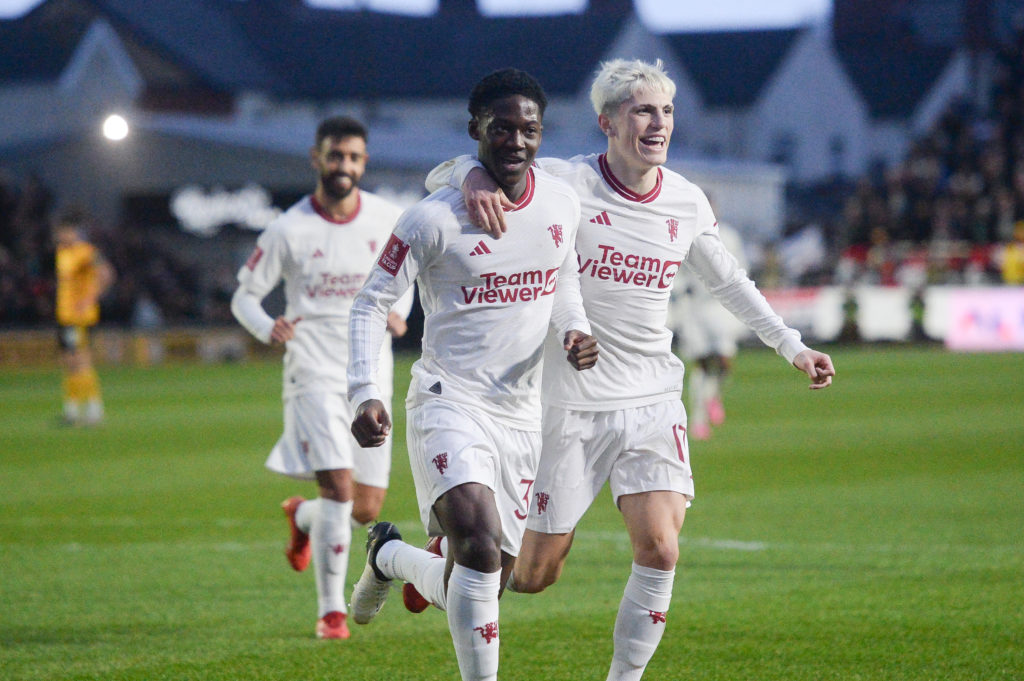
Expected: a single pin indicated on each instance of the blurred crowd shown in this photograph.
(26, 251)
(950, 211)
(153, 286)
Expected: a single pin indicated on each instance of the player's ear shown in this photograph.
(313, 154)
(605, 123)
(474, 129)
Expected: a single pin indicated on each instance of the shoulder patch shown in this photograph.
(393, 255)
(257, 253)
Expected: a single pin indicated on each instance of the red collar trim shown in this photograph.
(622, 189)
(527, 196)
(330, 218)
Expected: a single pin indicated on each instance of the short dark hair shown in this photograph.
(505, 83)
(339, 127)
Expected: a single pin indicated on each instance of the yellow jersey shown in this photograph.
(77, 283)
(1013, 263)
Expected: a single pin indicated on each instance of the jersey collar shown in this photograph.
(333, 220)
(624, 191)
(527, 196)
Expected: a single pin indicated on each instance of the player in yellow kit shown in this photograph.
(83, 275)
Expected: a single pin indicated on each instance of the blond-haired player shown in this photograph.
(83, 276)
(624, 422)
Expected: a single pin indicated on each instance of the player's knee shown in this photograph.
(660, 553)
(365, 514)
(367, 502)
(478, 551)
(534, 583)
(532, 579)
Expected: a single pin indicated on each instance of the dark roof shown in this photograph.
(37, 46)
(892, 76)
(290, 50)
(200, 36)
(729, 68)
(188, 42)
(324, 54)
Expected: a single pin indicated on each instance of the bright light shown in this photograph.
(115, 128)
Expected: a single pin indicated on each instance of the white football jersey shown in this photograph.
(630, 248)
(487, 302)
(323, 263)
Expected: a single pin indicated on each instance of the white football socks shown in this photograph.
(305, 513)
(330, 538)
(421, 568)
(640, 622)
(473, 621)
(93, 411)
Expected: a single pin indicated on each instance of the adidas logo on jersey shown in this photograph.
(601, 219)
(318, 253)
(481, 249)
(436, 388)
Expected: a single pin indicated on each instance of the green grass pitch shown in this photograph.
(873, 531)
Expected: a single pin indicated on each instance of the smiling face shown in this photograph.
(640, 129)
(508, 133)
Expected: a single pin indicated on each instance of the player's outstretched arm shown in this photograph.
(371, 424)
(817, 365)
(485, 202)
(581, 349)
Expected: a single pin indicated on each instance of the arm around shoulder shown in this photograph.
(451, 173)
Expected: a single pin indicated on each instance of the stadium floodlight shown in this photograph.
(115, 128)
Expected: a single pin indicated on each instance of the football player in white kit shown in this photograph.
(624, 422)
(473, 408)
(323, 247)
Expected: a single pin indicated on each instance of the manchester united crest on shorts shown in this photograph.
(441, 461)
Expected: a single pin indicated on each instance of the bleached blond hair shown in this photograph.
(617, 80)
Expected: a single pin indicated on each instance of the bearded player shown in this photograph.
(322, 248)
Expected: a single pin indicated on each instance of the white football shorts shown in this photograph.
(451, 443)
(317, 438)
(640, 449)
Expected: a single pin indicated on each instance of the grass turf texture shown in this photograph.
(870, 531)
